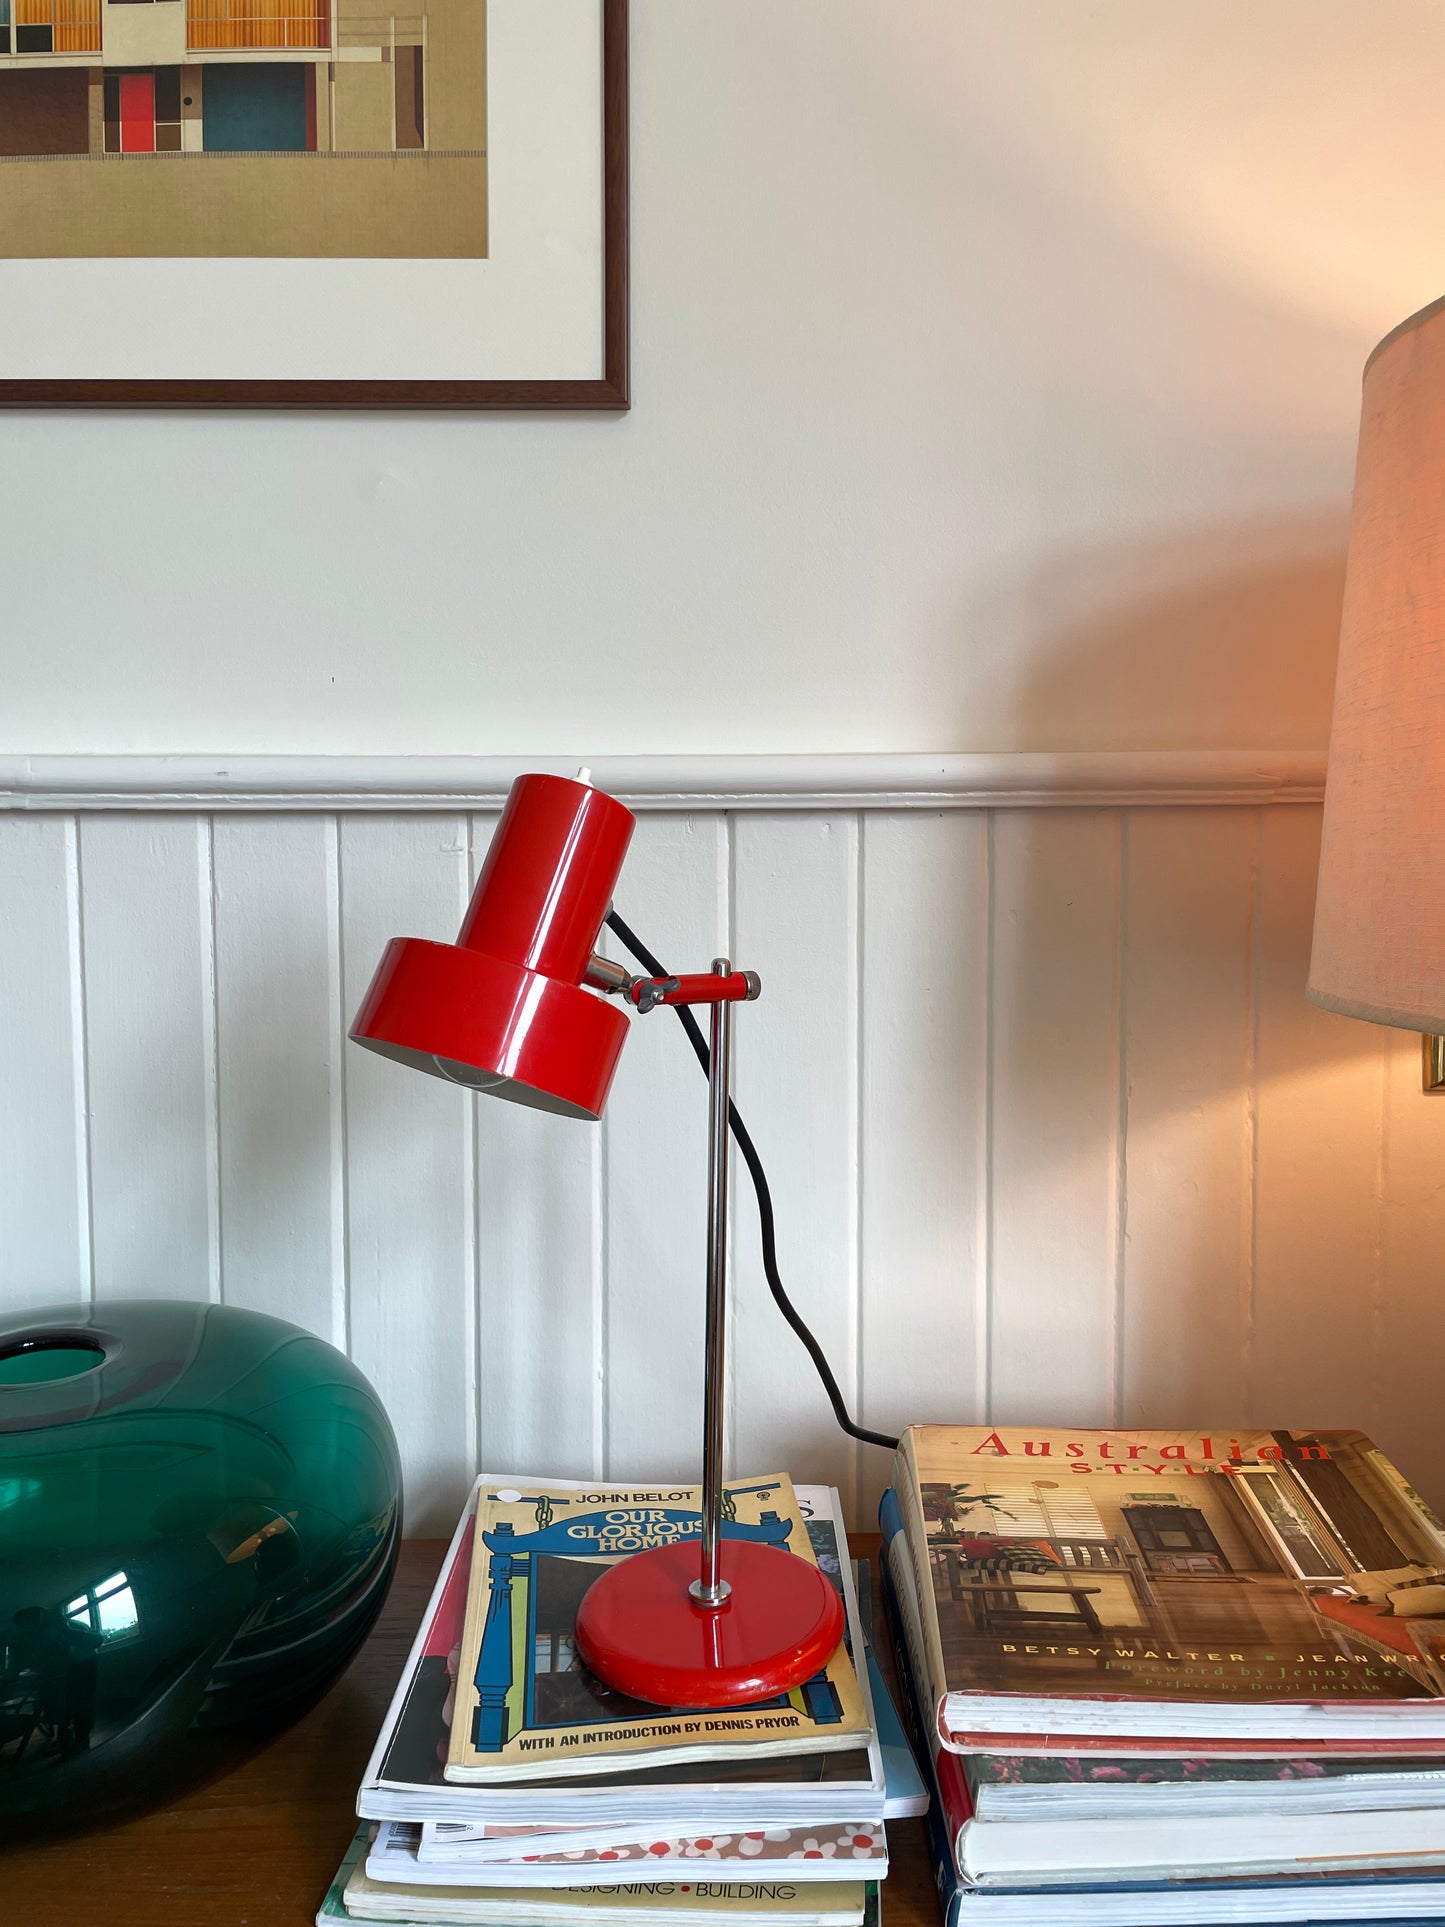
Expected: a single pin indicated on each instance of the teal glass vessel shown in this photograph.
(200, 1512)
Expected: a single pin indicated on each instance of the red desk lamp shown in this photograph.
(518, 1008)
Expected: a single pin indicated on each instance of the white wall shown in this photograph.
(996, 378)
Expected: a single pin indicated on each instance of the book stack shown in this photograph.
(1171, 1676)
(508, 1784)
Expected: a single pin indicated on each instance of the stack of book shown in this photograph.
(508, 1784)
(1171, 1676)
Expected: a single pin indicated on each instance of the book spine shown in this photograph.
(940, 1847)
(908, 1496)
(940, 1829)
(898, 1571)
(376, 1765)
(909, 1709)
(945, 1772)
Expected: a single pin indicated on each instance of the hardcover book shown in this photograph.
(1181, 1590)
(1008, 1786)
(527, 1708)
(1117, 1901)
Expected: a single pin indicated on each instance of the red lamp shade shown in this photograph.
(503, 1009)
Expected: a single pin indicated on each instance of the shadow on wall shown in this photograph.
(1225, 636)
(1185, 1151)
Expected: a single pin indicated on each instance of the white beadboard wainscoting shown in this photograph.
(1053, 1133)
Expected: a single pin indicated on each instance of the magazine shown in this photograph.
(403, 1853)
(404, 1777)
(907, 1795)
(527, 1708)
(356, 1895)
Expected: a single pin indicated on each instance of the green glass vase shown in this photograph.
(200, 1512)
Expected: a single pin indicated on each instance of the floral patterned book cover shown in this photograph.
(861, 1844)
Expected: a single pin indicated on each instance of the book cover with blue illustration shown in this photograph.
(528, 1708)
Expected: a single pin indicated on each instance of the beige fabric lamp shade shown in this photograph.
(1379, 942)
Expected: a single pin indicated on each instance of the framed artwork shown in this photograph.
(313, 203)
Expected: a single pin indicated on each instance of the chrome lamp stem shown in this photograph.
(710, 1588)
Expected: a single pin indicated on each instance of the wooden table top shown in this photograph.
(257, 1843)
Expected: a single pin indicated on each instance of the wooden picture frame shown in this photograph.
(610, 390)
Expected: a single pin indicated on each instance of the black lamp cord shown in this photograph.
(765, 1198)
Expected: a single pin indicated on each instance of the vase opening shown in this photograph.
(45, 1357)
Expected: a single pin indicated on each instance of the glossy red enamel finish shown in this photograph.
(704, 988)
(549, 876)
(503, 1009)
(639, 1630)
(434, 1005)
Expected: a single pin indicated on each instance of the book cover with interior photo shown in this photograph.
(526, 1706)
(1173, 1587)
(1032, 1888)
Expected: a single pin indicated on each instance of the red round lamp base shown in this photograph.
(640, 1630)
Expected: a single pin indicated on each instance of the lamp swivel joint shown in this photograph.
(706, 987)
